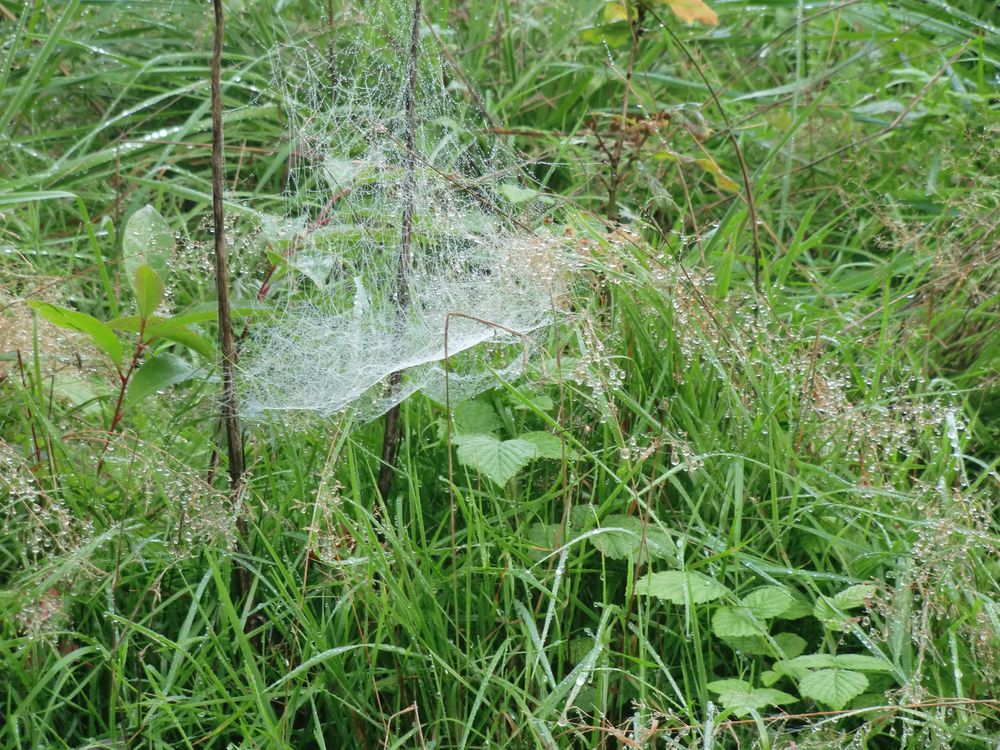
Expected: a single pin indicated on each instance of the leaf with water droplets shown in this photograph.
(146, 241)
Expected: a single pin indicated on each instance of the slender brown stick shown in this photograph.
(230, 413)
(390, 441)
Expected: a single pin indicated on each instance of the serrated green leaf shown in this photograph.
(833, 687)
(624, 538)
(809, 661)
(681, 587)
(752, 644)
(768, 602)
(475, 417)
(741, 697)
(791, 645)
(147, 240)
(863, 663)
(158, 373)
(148, 287)
(854, 596)
(548, 445)
(800, 607)
(100, 333)
(736, 622)
(497, 460)
(546, 537)
(768, 677)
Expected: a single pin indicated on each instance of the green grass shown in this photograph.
(838, 429)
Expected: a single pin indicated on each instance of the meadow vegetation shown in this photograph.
(743, 493)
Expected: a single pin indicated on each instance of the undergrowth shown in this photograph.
(742, 494)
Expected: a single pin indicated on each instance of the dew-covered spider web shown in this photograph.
(356, 300)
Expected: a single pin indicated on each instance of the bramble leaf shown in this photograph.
(624, 538)
(680, 587)
(498, 460)
(834, 687)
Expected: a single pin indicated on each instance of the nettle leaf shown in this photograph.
(768, 602)
(690, 11)
(158, 373)
(475, 417)
(498, 460)
(146, 241)
(624, 538)
(742, 697)
(100, 333)
(148, 288)
(681, 587)
(736, 622)
(833, 687)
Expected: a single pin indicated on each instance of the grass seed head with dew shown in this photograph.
(357, 302)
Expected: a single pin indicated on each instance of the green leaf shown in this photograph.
(809, 661)
(791, 645)
(833, 687)
(736, 622)
(148, 288)
(741, 697)
(182, 335)
(768, 602)
(517, 193)
(864, 663)
(497, 460)
(680, 587)
(832, 611)
(548, 445)
(158, 373)
(146, 241)
(475, 417)
(100, 333)
(854, 596)
(546, 537)
(800, 607)
(624, 538)
(613, 34)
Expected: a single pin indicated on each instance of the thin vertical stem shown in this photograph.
(230, 413)
(390, 441)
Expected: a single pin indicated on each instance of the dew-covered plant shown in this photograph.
(411, 234)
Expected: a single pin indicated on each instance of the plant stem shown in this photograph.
(230, 413)
(390, 441)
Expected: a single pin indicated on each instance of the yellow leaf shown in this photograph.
(690, 11)
(615, 12)
(721, 181)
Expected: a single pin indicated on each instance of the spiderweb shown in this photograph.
(359, 302)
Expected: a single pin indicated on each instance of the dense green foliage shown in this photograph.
(706, 517)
